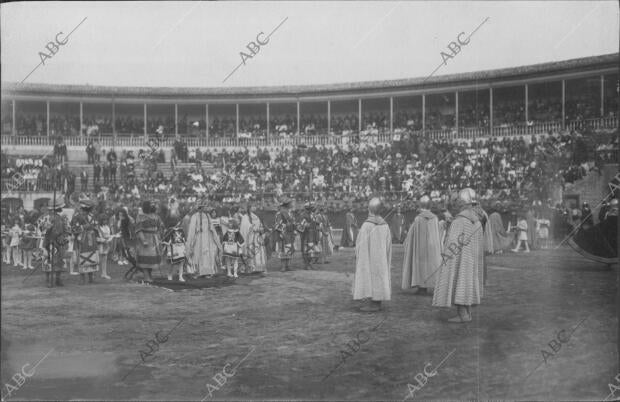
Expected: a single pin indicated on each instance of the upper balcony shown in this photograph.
(512, 101)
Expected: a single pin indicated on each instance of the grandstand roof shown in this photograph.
(521, 72)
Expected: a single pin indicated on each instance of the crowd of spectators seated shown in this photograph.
(95, 125)
(541, 110)
(435, 120)
(30, 124)
(496, 168)
(504, 169)
(581, 108)
(474, 115)
(508, 113)
(408, 120)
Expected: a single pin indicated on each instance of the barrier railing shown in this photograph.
(609, 122)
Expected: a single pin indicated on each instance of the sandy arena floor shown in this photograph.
(290, 329)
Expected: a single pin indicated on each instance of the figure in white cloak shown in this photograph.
(203, 246)
(373, 256)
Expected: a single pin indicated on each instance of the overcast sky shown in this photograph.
(198, 44)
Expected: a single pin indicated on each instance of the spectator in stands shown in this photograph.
(96, 171)
(97, 149)
(111, 157)
(70, 178)
(113, 172)
(60, 150)
(106, 173)
(90, 152)
(84, 180)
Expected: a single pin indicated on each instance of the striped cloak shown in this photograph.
(459, 279)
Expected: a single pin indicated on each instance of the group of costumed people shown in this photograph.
(527, 229)
(200, 244)
(314, 229)
(62, 242)
(444, 258)
(212, 244)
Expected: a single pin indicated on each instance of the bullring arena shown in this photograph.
(175, 242)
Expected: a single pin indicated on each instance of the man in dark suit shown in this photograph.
(84, 179)
(96, 171)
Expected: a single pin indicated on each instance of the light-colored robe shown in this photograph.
(459, 278)
(203, 244)
(185, 223)
(422, 252)
(254, 245)
(373, 256)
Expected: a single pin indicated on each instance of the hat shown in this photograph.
(233, 224)
(425, 199)
(202, 203)
(58, 205)
(86, 203)
(146, 207)
(467, 195)
(285, 202)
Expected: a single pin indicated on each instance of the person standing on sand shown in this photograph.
(55, 231)
(285, 228)
(397, 225)
(422, 250)
(459, 278)
(84, 225)
(203, 246)
(373, 257)
(148, 250)
(327, 241)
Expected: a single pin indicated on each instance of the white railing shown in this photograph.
(602, 123)
(507, 131)
(469, 133)
(521, 130)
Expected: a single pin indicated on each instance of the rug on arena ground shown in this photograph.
(216, 281)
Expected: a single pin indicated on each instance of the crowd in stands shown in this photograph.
(581, 108)
(541, 110)
(409, 120)
(500, 168)
(496, 168)
(33, 174)
(508, 113)
(474, 115)
(30, 124)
